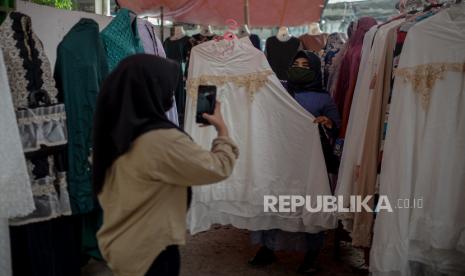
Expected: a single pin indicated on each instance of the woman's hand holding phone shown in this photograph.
(217, 120)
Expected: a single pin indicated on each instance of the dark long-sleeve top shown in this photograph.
(320, 104)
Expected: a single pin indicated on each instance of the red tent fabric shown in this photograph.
(263, 13)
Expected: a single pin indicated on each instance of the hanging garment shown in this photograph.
(313, 43)
(256, 41)
(15, 188)
(150, 41)
(41, 118)
(280, 54)
(257, 110)
(427, 105)
(179, 50)
(333, 46)
(121, 39)
(80, 69)
(399, 43)
(152, 45)
(199, 39)
(349, 68)
(373, 63)
(51, 24)
(194, 41)
(356, 126)
(366, 169)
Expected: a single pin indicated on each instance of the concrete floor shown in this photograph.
(225, 250)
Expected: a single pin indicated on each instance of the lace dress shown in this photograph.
(41, 118)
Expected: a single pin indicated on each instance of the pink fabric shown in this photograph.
(214, 12)
(348, 71)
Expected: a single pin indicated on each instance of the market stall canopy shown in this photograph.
(262, 13)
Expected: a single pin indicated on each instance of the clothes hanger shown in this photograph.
(228, 39)
(244, 31)
(206, 31)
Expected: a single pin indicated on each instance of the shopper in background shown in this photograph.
(144, 164)
(306, 86)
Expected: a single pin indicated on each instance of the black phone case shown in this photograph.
(199, 119)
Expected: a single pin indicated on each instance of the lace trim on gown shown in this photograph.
(424, 77)
(42, 126)
(251, 82)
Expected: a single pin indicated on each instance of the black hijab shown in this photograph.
(133, 100)
(315, 65)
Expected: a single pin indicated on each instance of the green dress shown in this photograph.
(121, 39)
(80, 69)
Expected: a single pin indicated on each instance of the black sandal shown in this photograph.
(264, 256)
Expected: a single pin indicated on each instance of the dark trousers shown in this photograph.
(168, 263)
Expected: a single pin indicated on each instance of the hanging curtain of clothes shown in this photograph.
(427, 104)
(44, 241)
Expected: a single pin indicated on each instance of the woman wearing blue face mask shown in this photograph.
(306, 86)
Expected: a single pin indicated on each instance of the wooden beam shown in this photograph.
(246, 13)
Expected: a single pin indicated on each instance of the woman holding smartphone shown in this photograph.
(143, 165)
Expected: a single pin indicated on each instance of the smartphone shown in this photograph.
(206, 102)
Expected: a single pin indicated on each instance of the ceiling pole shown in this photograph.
(162, 23)
(246, 13)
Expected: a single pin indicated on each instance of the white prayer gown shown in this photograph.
(424, 155)
(280, 145)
